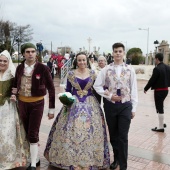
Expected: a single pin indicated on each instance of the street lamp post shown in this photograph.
(125, 49)
(89, 41)
(147, 29)
(51, 47)
(18, 43)
(156, 46)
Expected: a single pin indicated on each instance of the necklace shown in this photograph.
(81, 71)
(82, 74)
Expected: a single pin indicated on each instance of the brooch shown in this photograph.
(82, 93)
(38, 76)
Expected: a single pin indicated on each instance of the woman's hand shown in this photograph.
(133, 115)
(116, 98)
(106, 92)
(50, 116)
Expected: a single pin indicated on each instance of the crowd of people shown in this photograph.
(56, 61)
(78, 138)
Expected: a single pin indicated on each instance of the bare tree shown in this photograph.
(12, 35)
(5, 34)
(21, 34)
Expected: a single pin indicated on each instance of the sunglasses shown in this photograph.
(30, 51)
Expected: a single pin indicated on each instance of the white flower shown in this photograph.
(68, 94)
(60, 94)
(66, 98)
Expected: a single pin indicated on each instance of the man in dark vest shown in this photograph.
(159, 82)
(32, 80)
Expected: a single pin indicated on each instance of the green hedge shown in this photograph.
(16, 61)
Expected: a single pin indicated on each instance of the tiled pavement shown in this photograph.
(147, 150)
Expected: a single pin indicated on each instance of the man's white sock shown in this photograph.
(161, 120)
(34, 153)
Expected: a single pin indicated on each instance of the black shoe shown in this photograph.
(37, 164)
(31, 168)
(114, 165)
(164, 125)
(157, 130)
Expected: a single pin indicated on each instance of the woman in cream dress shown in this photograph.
(13, 148)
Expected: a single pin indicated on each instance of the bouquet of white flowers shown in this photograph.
(66, 98)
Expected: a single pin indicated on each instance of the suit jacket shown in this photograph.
(41, 82)
(160, 77)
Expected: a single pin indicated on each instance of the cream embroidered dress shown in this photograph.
(78, 137)
(13, 148)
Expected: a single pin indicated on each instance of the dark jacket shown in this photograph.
(93, 56)
(50, 65)
(41, 82)
(160, 77)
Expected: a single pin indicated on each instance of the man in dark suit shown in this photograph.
(159, 81)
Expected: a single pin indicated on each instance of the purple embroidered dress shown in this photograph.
(78, 137)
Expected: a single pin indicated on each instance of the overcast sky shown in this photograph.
(72, 22)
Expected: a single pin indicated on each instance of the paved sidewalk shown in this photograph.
(147, 150)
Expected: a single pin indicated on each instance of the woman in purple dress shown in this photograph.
(77, 139)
